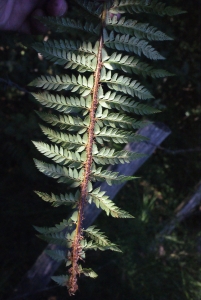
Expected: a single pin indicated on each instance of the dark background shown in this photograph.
(165, 180)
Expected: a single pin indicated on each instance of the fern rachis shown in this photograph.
(101, 87)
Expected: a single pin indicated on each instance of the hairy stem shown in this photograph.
(76, 248)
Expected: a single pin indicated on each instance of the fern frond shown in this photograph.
(103, 201)
(66, 140)
(55, 200)
(139, 30)
(131, 45)
(66, 24)
(109, 156)
(125, 85)
(61, 280)
(57, 51)
(118, 136)
(81, 63)
(59, 227)
(63, 104)
(93, 8)
(146, 6)
(63, 121)
(57, 255)
(113, 100)
(88, 273)
(61, 155)
(71, 60)
(58, 238)
(63, 174)
(100, 239)
(108, 176)
(131, 64)
(90, 245)
(81, 85)
(119, 120)
(95, 114)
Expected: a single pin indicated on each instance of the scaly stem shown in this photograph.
(76, 248)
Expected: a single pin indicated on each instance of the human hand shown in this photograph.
(19, 15)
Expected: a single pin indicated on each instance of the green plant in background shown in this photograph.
(105, 50)
(172, 257)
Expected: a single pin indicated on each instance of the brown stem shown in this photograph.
(76, 248)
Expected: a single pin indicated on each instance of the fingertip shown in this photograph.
(56, 8)
(118, 16)
(36, 26)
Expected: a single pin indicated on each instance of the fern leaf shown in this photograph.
(109, 177)
(81, 85)
(63, 174)
(125, 85)
(146, 6)
(62, 199)
(71, 60)
(103, 201)
(61, 280)
(66, 24)
(63, 104)
(58, 238)
(63, 121)
(91, 7)
(113, 100)
(131, 45)
(59, 227)
(66, 140)
(157, 73)
(90, 245)
(61, 238)
(118, 136)
(95, 234)
(139, 30)
(89, 273)
(109, 156)
(81, 63)
(131, 64)
(57, 51)
(119, 120)
(57, 255)
(61, 155)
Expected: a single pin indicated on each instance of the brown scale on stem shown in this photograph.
(76, 248)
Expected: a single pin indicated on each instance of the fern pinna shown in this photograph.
(104, 59)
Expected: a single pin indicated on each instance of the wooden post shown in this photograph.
(38, 277)
(183, 211)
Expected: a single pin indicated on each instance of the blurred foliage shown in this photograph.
(172, 269)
